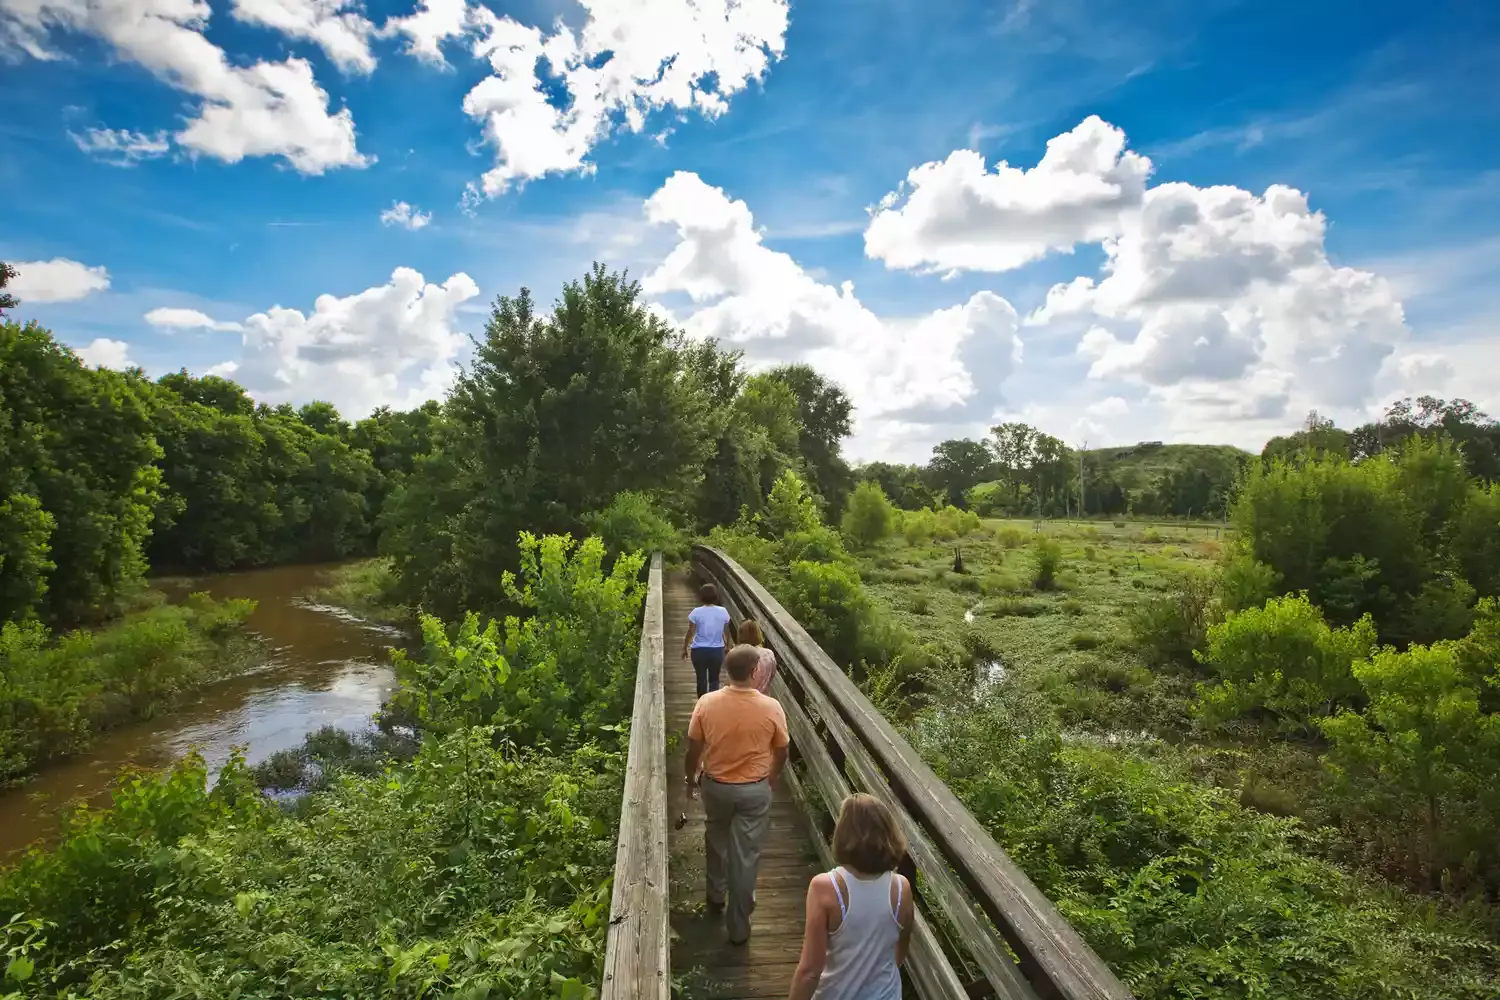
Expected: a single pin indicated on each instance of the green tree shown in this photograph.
(1345, 533)
(7, 300)
(904, 485)
(556, 416)
(825, 412)
(1283, 660)
(78, 443)
(869, 517)
(790, 508)
(959, 465)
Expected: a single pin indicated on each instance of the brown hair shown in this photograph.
(749, 633)
(708, 594)
(866, 837)
(741, 662)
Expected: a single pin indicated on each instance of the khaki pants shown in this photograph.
(736, 817)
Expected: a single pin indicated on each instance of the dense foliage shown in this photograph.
(1181, 884)
(598, 416)
(78, 482)
(57, 691)
(104, 474)
(479, 869)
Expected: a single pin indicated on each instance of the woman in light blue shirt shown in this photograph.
(708, 635)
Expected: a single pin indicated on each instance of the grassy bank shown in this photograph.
(58, 690)
(366, 589)
(1025, 682)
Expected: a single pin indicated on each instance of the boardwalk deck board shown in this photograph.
(711, 968)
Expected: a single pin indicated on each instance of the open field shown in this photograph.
(1070, 642)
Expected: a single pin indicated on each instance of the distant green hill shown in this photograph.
(1137, 467)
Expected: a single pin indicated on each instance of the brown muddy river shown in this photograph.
(327, 668)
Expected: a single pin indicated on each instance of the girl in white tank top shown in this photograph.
(859, 915)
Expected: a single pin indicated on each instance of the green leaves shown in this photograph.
(1283, 659)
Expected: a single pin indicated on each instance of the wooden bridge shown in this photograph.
(982, 929)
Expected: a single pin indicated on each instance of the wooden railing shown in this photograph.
(998, 935)
(635, 958)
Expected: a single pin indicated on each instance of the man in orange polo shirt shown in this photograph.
(738, 737)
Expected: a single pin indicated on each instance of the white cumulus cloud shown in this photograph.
(263, 109)
(943, 368)
(1225, 302)
(956, 215)
(105, 353)
(335, 26)
(429, 26)
(404, 215)
(631, 57)
(393, 344)
(170, 318)
(56, 280)
(122, 147)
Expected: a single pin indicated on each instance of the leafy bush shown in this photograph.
(1417, 772)
(479, 868)
(745, 546)
(635, 522)
(1047, 558)
(571, 662)
(1283, 660)
(869, 518)
(1009, 536)
(830, 602)
(1169, 628)
(790, 508)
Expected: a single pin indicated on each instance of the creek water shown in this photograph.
(326, 668)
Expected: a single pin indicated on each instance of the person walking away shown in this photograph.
(750, 634)
(859, 915)
(708, 634)
(738, 738)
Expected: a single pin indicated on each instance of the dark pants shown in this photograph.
(706, 663)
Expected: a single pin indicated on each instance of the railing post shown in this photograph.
(636, 960)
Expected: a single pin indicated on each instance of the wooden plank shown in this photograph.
(927, 965)
(636, 961)
(1054, 957)
(700, 953)
(981, 939)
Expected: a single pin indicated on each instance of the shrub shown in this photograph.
(1419, 768)
(742, 544)
(790, 507)
(1085, 640)
(830, 602)
(869, 517)
(1170, 628)
(635, 522)
(1283, 659)
(816, 544)
(1009, 536)
(56, 692)
(1047, 556)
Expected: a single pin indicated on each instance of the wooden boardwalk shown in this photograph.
(707, 965)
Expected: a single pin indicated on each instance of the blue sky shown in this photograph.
(1212, 311)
